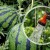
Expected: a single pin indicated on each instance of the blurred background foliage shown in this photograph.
(25, 3)
(23, 6)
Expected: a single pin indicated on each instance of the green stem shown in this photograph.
(35, 18)
(32, 3)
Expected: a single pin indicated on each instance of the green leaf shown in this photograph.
(45, 1)
(20, 1)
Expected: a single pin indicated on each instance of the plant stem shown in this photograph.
(35, 18)
(32, 3)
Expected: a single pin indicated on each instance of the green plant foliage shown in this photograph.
(29, 31)
(20, 2)
(21, 7)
